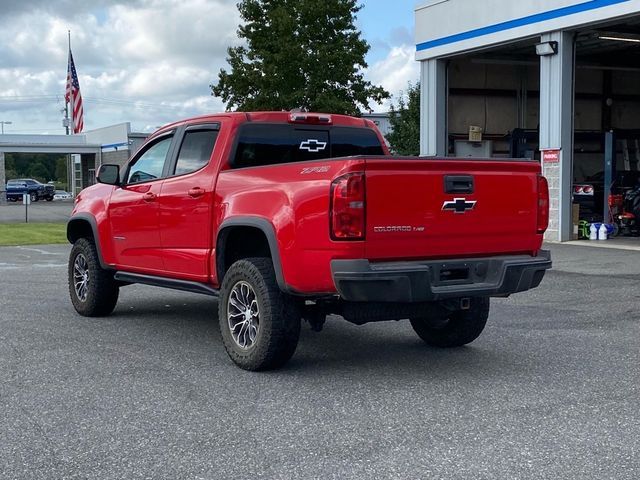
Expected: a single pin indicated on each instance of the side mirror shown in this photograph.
(109, 174)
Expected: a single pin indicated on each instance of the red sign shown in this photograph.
(551, 156)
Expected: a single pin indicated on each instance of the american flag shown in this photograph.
(73, 96)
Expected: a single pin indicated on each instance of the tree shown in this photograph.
(405, 122)
(61, 169)
(298, 54)
(42, 166)
(39, 171)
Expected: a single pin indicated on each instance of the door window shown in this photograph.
(195, 150)
(150, 164)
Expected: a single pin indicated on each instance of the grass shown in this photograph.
(32, 233)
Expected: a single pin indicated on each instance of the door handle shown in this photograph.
(458, 184)
(196, 192)
(149, 197)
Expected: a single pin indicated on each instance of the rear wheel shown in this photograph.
(259, 324)
(458, 328)
(34, 197)
(93, 291)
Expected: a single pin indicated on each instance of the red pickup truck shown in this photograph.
(285, 216)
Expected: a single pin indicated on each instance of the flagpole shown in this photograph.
(71, 124)
(66, 104)
(71, 168)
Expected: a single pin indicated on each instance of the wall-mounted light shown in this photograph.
(546, 48)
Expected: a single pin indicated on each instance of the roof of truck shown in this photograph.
(275, 117)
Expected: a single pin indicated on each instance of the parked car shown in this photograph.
(36, 190)
(590, 194)
(61, 195)
(284, 216)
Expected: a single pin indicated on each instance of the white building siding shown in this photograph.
(453, 26)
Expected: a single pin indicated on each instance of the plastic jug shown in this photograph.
(593, 232)
(603, 234)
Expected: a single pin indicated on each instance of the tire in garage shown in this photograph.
(459, 328)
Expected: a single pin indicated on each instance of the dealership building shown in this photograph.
(86, 151)
(553, 80)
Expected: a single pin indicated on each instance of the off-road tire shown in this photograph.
(458, 329)
(102, 289)
(279, 319)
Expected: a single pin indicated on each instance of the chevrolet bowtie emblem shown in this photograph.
(459, 205)
(313, 146)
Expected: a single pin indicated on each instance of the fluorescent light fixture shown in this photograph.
(618, 38)
(546, 48)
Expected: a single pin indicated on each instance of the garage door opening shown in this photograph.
(494, 103)
(606, 165)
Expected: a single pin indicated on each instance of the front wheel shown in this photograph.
(93, 291)
(259, 324)
(34, 197)
(458, 328)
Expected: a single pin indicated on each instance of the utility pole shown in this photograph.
(3, 190)
(3, 179)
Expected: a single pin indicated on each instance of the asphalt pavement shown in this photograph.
(37, 212)
(549, 391)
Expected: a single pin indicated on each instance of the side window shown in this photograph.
(149, 166)
(195, 150)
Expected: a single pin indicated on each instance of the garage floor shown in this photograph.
(621, 243)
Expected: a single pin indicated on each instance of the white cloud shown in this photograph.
(145, 61)
(148, 61)
(394, 73)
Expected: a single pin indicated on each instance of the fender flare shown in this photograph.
(269, 231)
(90, 219)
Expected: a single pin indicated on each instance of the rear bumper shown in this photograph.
(424, 281)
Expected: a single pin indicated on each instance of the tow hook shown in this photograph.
(465, 303)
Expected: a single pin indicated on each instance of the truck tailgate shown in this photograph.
(450, 208)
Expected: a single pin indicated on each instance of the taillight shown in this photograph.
(583, 189)
(347, 212)
(543, 205)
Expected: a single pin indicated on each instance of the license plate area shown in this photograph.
(453, 274)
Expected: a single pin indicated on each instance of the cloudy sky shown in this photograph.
(150, 62)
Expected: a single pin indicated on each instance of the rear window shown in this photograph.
(269, 144)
